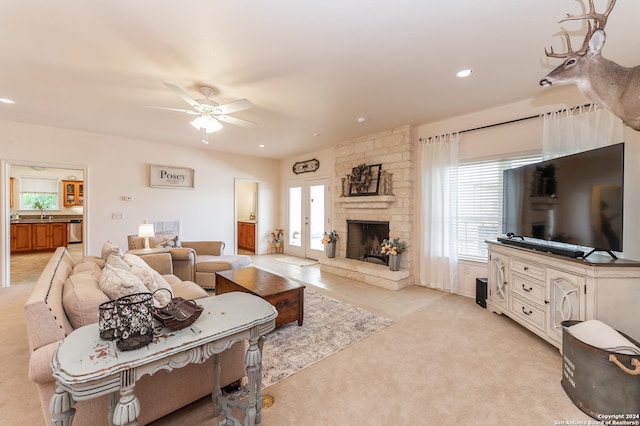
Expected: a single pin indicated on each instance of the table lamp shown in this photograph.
(145, 230)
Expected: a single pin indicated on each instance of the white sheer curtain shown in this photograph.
(579, 129)
(438, 249)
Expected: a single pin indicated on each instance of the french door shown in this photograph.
(308, 217)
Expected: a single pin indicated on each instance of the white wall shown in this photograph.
(116, 167)
(524, 137)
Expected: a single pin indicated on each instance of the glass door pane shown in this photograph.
(316, 216)
(295, 216)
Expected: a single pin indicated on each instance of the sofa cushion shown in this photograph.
(81, 296)
(221, 263)
(95, 259)
(188, 290)
(90, 268)
(116, 282)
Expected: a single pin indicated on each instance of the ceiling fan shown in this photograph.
(210, 113)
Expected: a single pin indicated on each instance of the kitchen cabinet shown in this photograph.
(38, 236)
(247, 236)
(541, 290)
(73, 193)
(20, 237)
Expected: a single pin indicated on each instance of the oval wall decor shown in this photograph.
(306, 166)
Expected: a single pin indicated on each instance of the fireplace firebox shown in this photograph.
(364, 240)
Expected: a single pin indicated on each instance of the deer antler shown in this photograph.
(599, 20)
(570, 51)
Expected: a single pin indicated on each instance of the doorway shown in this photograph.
(21, 182)
(308, 217)
(246, 192)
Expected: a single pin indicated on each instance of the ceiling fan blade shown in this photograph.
(235, 106)
(184, 95)
(236, 121)
(187, 111)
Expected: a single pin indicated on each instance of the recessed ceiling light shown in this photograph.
(261, 145)
(362, 120)
(7, 101)
(315, 134)
(464, 73)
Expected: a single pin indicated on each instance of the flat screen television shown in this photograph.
(576, 199)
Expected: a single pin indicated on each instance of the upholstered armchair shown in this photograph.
(196, 261)
(183, 259)
(210, 258)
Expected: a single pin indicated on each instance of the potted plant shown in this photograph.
(329, 240)
(393, 248)
(276, 237)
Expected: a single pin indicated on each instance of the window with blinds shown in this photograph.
(480, 203)
(35, 192)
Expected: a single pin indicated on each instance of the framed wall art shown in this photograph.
(364, 180)
(170, 177)
(306, 166)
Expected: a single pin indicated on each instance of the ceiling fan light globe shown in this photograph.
(210, 124)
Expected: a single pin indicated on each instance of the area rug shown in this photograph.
(329, 326)
(298, 261)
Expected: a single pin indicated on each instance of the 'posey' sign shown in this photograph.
(170, 177)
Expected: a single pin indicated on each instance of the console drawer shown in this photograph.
(529, 269)
(534, 291)
(528, 312)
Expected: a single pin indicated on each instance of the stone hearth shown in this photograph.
(394, 150)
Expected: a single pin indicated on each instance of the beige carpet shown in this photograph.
(447, 363)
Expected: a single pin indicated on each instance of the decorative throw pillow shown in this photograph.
(153, 281)
(133, 260)
(170, 243)
(164, 239)
(116, 282)
(110, 248)
(117, 262)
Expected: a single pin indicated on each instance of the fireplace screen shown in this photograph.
(364, 240)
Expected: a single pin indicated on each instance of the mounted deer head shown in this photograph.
(615, 87)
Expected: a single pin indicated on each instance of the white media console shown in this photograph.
(540, 290)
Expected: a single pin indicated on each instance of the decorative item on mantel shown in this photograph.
(276, 238)
(394, 248)
(329, 241)
(364, 180)
(386, 179)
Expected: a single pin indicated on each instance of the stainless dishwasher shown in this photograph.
(74, 231)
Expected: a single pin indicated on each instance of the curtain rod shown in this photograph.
(514, 120)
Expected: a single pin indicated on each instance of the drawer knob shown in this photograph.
(528, 290)
(526, 312)
(526, 268)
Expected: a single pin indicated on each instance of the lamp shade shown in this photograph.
(146, 231)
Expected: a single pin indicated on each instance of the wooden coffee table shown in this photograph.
(285, 295)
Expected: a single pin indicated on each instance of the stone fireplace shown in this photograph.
(394, 151)
(364, 241)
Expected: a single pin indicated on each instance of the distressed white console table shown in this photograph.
(86, 367)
